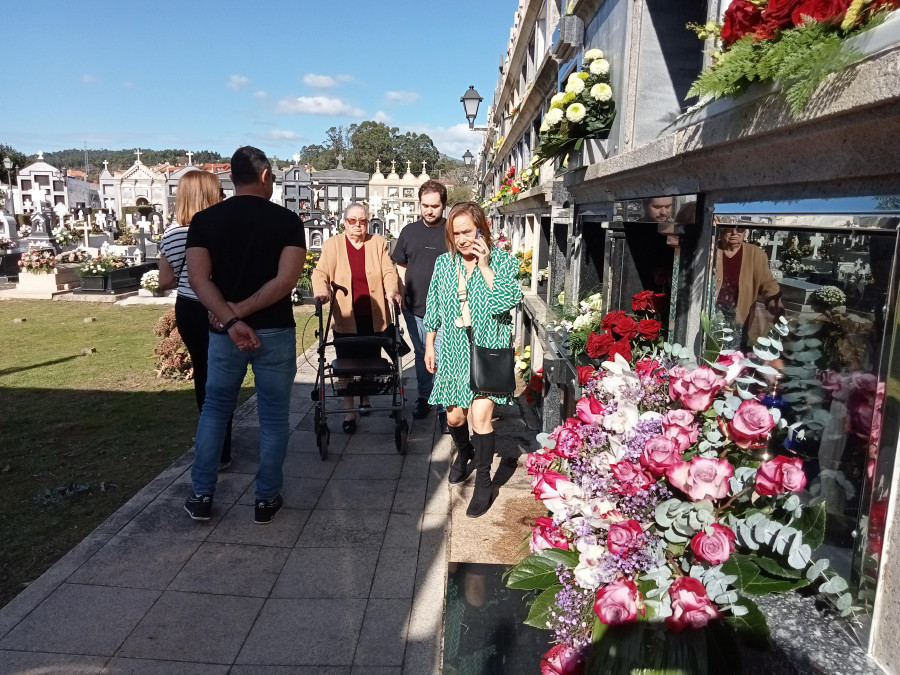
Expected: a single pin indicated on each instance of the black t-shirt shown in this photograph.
(245, 236)
(418, 247)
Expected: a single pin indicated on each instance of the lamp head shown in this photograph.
(471, 100)
(467, 158)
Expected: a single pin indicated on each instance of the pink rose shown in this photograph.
(681, 427)
(713, 548)
(539, 462)
(731, 359)
(624, 537)
(695, 388)
(546, 534)
(618, 602)
(691, 606)
(660, 453)
(781, 474)
(630, 478)
(562, 660)
(590, 410)
(702, 478)
(751, 425)
(647, 367)
(544, 484)
(568, 440)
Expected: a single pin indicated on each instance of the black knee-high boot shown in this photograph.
(484, 455)
(462, 466)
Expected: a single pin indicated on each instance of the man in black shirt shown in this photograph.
(244, 257)
(418, 247)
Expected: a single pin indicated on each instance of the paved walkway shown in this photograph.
(349, 578)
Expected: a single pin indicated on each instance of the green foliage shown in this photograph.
(541, 606)
(798, 60)
(73, 158)
(754, 580)
(539, 569)
(19, 159)
(751, 625)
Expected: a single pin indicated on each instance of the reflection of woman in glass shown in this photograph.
(742, 275)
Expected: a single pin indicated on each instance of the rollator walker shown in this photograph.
(360, 377)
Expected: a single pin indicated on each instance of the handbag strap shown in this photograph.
(462, 293)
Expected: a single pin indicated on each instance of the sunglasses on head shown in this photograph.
(354, 221)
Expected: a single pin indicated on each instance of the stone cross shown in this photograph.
(377, 166)
(777, 241)
(423, 167)
(340, 159)
(138, 153)
(105, 165)
(816, 240)
(393, 169)
(190, 156)
(408, 163)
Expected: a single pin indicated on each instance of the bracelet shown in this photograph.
(228, 324)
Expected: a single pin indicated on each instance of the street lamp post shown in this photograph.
(471, 100)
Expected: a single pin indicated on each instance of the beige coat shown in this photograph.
(332, 275)
(756, 279)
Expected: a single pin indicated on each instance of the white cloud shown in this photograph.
(237, 82)
(343, 77)
(261, 95)
(382, 117)
(283, 135)
(402, 97)
(87, 78)
(319, 81)
(319, 105)
(452, 141)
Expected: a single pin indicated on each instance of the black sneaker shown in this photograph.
(423, 407)
(266, 509)
(199, 507)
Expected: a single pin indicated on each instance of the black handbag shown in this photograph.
(491, 369)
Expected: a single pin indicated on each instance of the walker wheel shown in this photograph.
(323, 435)
(401, 436)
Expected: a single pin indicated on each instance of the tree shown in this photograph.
(19, 160)
(416, 148)
(371, 141)
(459, 193)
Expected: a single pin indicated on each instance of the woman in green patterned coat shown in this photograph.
(483, 281)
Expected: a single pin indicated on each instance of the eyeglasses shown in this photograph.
(354, 221)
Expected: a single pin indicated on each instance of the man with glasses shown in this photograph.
(418, 247)
(244, 258)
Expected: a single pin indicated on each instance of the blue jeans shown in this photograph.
(274, 365)
(415, 326)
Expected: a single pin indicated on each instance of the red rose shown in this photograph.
(546, 534)
(713, 548)
(648, 329)
(780, 474)
(820, 10)
(691, 606)
(778, 13)
(624, 537)
(647, 301)
(598, 345)
(585, 373)
(562, 660)
(621, 324)
(622, 347)
(618, 602)
(741, 18)
(647, 367)
(630, 478)
(751, 424)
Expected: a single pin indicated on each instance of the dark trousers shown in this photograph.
(192, 321)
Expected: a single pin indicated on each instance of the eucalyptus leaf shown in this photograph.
(545, 441)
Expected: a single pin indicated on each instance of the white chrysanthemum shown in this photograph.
(592, 55)
(544, 127)
(582, 321)
(557, 98)
(599, 67)
(553, 117)
(576, 112)
(601, 92)
(575, 86)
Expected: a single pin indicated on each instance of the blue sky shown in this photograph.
(216, 75)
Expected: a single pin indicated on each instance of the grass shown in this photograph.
(81, 434)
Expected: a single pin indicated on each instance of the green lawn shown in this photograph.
(80, 435)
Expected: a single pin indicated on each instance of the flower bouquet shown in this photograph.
(100, 266)
(575, 328)
(150, 281)
(584, 110)
(75, 256)
(63, 236)
(667, 511)
(6, 244)
(36, 260)
(796, 43)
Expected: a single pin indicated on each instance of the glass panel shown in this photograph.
(831, 274)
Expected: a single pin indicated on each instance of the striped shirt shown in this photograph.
(172, 246)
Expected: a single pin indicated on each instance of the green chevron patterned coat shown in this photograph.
(491, 321)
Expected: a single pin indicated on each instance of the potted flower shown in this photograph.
(303, 292)
(63, 236)
(584, 109)
(95, 272)
(37, 261)
(150, 282)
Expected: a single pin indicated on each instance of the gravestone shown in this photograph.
(816, 241)
(795, 293)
